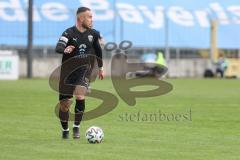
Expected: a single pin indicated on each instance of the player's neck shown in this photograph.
(81, 28)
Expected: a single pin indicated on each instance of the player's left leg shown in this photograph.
(79, 93)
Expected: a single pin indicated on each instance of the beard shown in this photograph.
(85, 26)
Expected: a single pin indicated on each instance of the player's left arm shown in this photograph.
(98, 52)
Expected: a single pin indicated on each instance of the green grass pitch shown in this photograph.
(30, 130)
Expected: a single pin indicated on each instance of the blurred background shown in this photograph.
(194, 38)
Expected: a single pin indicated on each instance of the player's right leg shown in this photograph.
(65, 103)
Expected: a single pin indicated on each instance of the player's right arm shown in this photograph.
(62, 45)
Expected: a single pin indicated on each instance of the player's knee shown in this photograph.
(80, 97)
(80, 91)
(65, 105)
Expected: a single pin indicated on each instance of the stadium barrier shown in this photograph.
(43, 67)
(9, 62)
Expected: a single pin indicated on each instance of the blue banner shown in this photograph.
(152, 23)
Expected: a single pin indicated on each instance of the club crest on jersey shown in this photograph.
(90, 38)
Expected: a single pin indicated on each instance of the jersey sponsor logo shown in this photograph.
(90, 38)
(64, 39)
(82, 48)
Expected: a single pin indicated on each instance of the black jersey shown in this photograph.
(85, 43)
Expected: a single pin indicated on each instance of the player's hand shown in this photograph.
(100, 74)
(69, 49)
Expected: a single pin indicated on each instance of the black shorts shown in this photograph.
(66, 90)
(70, 79)
(77, 71)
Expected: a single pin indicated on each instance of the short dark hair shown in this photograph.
(82, 9)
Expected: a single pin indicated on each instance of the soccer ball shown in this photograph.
(94, 134)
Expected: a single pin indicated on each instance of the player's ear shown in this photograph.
(80, 19)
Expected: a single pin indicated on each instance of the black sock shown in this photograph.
(64, 116)
(79, 109)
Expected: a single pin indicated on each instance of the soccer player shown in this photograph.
(77, 42)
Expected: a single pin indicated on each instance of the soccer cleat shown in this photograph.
(76, 133)
(65, 134)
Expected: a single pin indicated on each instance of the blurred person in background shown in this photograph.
(154, 65)
(221, 65)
